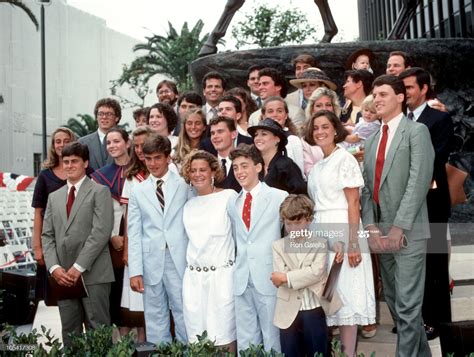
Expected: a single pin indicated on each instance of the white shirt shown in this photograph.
(77, 185)
(101, 135)
(228, 163)
(417, 112)
(392, 128)
(253, 192)
(164, 178)
(209, 114)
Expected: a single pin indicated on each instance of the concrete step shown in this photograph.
(384, 343)
(461, 265)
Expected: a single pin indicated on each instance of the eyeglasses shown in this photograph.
(106, 114)
(164, 91)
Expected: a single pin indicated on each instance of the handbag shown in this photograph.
(456, 178)
(331, 282)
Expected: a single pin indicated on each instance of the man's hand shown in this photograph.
(63, 278)
(278, 278)
(38, 251)
(437, 104)
(117, 242)
(136, 283)
(359, 155)
(375, 240)
(394, 239)
(74, 274)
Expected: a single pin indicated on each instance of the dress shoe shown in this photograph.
(431, 332)
(394, 329)
(369, 331)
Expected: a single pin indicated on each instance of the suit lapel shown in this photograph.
(62, 198)
(152, 197)
(170, 190)
(397, 139)
(81, 194)
(98, 152)
(259, 207)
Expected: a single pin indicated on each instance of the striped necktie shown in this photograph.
(159, 193)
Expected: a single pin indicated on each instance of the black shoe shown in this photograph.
(394, 329)
(431, 332)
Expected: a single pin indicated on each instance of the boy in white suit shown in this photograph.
(157, 242)
(256, 225)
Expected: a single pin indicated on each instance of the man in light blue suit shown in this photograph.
(398, 167)
(256, 225)
(158, 242)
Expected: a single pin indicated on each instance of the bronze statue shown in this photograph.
(404, 17)
(232, 6)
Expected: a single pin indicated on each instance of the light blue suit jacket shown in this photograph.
(405, 181)
(150, 229)
(254, 246)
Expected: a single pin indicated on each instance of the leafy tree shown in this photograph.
(26, 9)
(167, 55)
(269, 26)
(86, 124)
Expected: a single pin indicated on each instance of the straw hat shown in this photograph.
(313, 74)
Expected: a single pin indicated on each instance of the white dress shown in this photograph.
(208, 298)
(130, 299)
(355, 286)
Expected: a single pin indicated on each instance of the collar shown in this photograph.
(165, 178)
(101, 136)
(77, 185)
(417, 112)
(254, 191)
(209, 107)
(392, 124)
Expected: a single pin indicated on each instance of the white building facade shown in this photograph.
(82, 57)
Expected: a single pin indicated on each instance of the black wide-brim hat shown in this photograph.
(363, 51)
(273, 127)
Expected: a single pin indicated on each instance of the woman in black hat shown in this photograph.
(279, 171)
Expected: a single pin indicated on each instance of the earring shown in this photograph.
(212, 182)
(190, 186)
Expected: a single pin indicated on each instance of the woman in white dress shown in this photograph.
(334, 184)
(208, 300)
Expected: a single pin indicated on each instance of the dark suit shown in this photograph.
(206, 144)
(230, 182)
(285, 175)
(82, 239)
(98, 156)
(437, 300)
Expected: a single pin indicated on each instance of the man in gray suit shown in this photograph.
(398, 168)
(76, 231)
(108, 113)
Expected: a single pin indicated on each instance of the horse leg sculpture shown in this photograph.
(219, 31)
(404, 17)
(330, 28)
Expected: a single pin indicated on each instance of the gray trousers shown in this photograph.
(91, 311)
(403, 277)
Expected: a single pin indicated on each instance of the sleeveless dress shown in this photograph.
(326, 183)
(208, 299)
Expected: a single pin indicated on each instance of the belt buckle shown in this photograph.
(205, 269)
(213, 268)
(198, 269)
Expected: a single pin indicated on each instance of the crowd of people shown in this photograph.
(257, 216)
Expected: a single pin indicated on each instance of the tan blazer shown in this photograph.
(307, 269)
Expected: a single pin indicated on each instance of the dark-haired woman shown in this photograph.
(113, 176)
(334, 184)
(163, 119)
(279, 170)
(51, 178)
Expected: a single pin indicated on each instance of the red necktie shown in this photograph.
(380, 161)
(70, 200)
(246, 210)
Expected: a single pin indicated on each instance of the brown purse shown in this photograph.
(331, 282)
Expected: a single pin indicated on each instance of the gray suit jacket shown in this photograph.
(405, 181)
(97, 156)
(83, 237)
